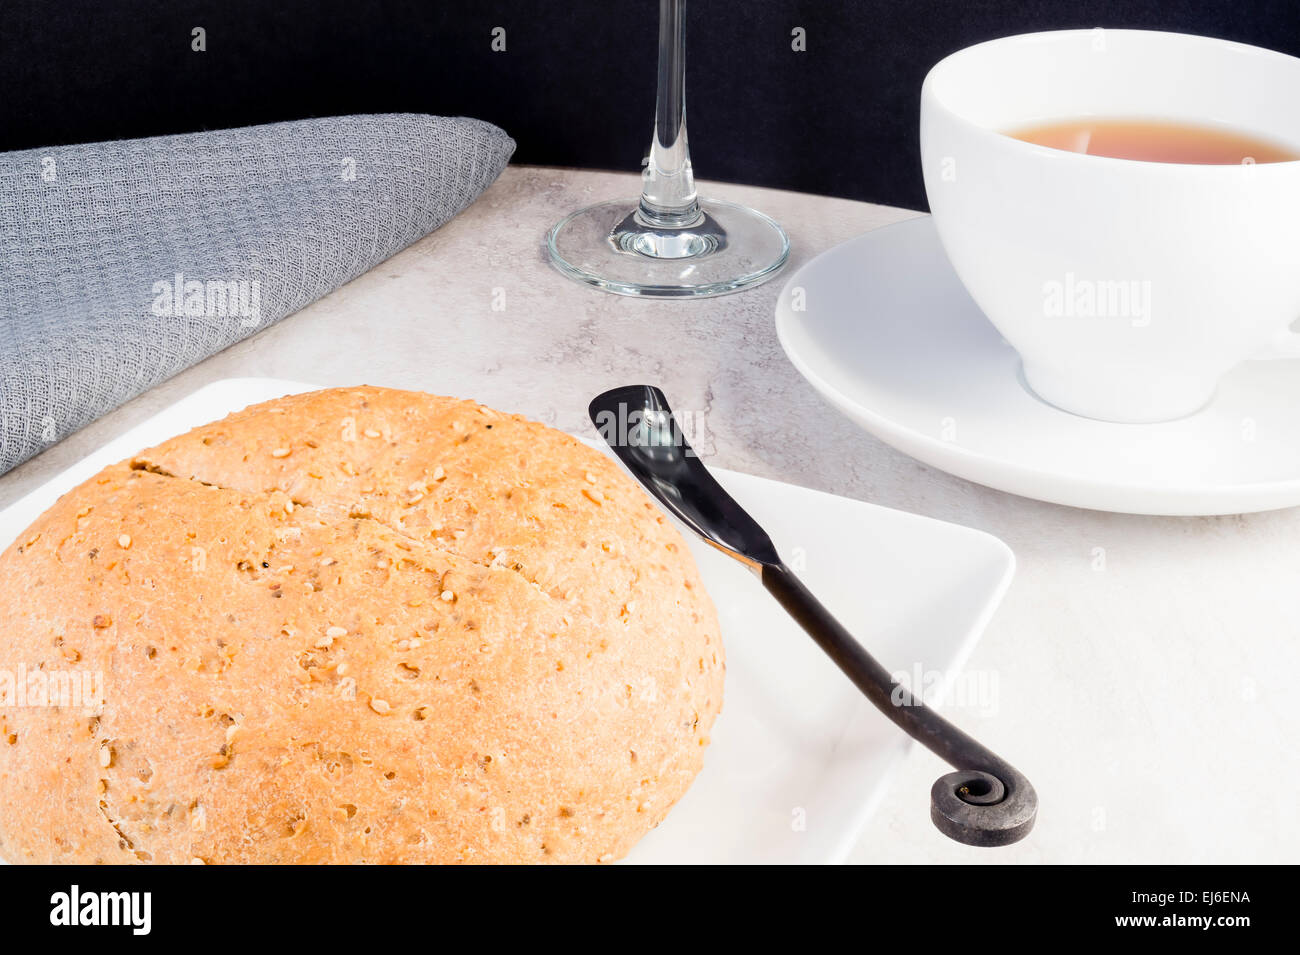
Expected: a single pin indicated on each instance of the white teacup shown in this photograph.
(1128, 288)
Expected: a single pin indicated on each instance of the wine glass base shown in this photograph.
(610, 247)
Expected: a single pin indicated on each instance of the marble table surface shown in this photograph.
(1149, 697)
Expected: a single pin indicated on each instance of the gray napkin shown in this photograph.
(123, 263)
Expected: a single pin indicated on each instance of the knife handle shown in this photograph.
(986, 802)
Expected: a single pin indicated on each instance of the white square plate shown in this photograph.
(798, 759)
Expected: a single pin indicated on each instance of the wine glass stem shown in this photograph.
(668, 198)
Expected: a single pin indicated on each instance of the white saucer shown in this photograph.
(891, 338)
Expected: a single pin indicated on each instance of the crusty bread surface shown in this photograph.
(354, 625)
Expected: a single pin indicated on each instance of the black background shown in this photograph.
(575, 85)
(377, 909)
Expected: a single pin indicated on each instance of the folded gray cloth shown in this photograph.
(122, 263)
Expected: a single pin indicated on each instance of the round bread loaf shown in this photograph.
(354, 625)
